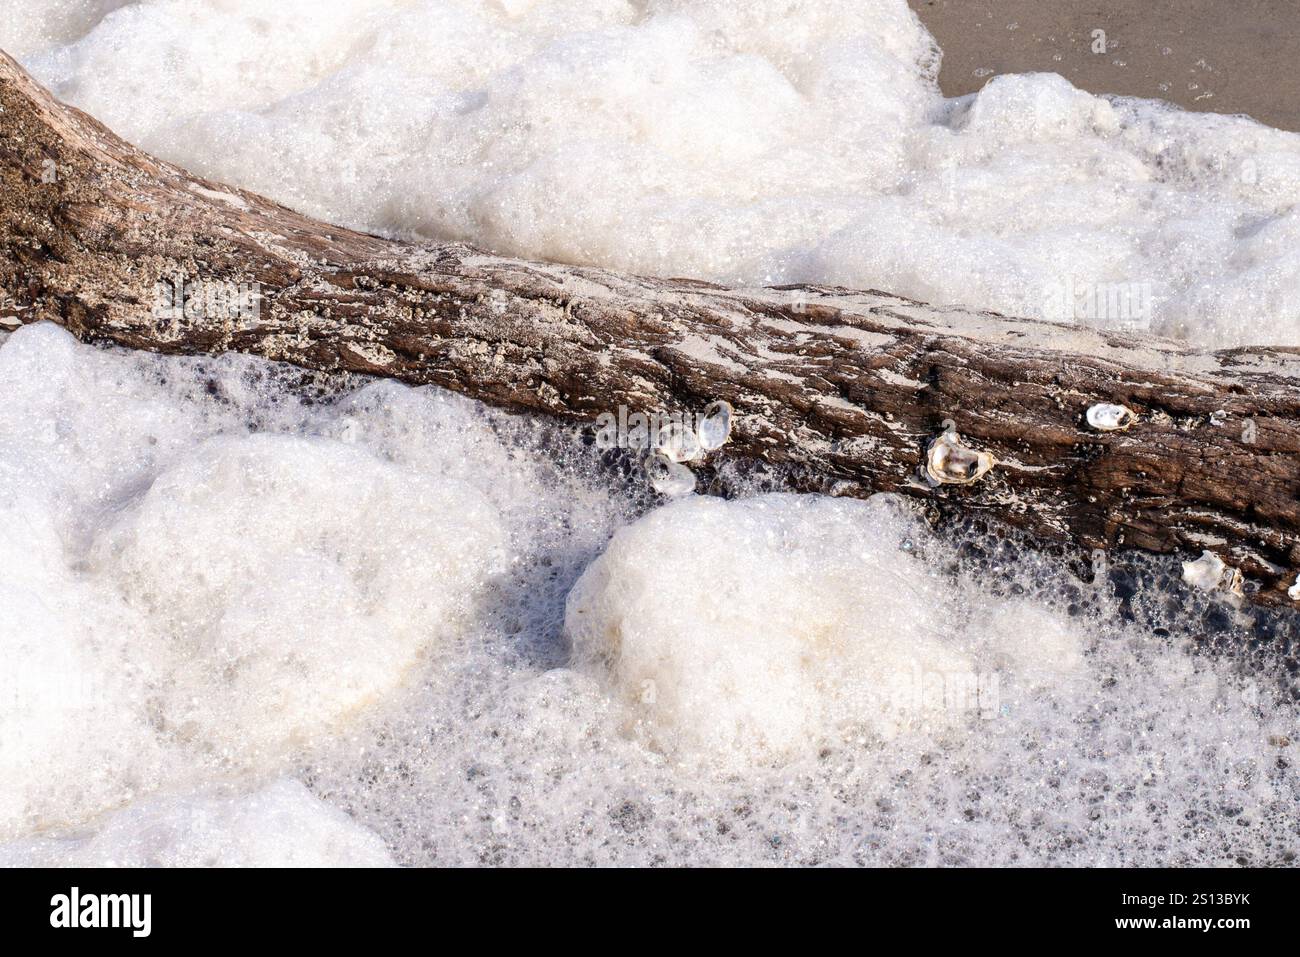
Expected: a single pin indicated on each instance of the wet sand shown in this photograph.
(1224, 56)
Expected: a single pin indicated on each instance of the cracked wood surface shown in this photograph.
(845, 386)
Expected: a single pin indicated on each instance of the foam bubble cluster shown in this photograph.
(279, 825)
(292, 580)
(754, 142)
(771, 626)
(207, 573)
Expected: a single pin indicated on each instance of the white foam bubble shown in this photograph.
(762, 142)
(29, 26)
(724, 704)
(69, 686)
(291, 581)
(279, 825)
(776, 625)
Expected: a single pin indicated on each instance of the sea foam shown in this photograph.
(279, 825)
(480, 640)
(766, 627)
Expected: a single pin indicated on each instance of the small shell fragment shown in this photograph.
(1206, 572)
(1294, 591)
(1105, 417)
(949, 462)
(1234, 583)
(679, 443)
(715, 426)
(668, 477)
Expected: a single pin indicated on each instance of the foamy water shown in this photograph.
(756, 142)
(250, 615)
(225, 577)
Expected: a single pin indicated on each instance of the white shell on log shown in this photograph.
(679, 443)
(949, 462)
(1105, 417)
(1210, 573)
(1235, 583)
(715, 426)
(668, 477)
(1206, 572)
(1294, 591)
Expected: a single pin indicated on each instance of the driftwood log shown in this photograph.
(846, 387)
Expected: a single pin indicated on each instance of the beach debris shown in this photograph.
(949, 461)
(1235, 584)
(715, 426)
(1105, 417)
(685, 439)
(668, 477)
(1205, 572)
(1211, 573)
(679, 443)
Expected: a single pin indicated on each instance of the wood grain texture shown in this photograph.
(845, 386)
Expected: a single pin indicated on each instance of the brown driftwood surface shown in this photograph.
(848, 389)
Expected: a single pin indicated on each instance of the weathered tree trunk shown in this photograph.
(847, 386)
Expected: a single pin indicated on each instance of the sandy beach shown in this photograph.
(1208, 55)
